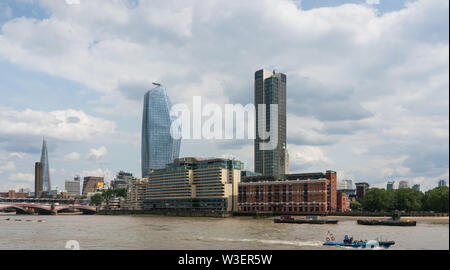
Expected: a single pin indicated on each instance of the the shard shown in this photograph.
(158, 147)
(45, 167)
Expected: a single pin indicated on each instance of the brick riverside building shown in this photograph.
(307, 193)
(343, 202)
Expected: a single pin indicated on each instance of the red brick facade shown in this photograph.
(343, 202)
(311, 196)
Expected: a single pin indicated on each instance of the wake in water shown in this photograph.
(268, 241)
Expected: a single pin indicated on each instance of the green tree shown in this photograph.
(355, 206)
(108, 195)
(389, 202)
(96, 199)
(374, 200)
(408, 199)
(436, 199)
(120, 192)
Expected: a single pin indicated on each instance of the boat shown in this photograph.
(368, 244)
(349, 242)
(386, 222)
(308, 220)
(394, 221)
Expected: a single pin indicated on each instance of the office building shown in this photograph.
(390, 185)
(442, 183)
(195, 184)
(270, 88)
(122, 180)
(361, 189)
(38, 184)
(403, 184)
(92, 184)
(158, 147)
(73, 187)
(302, 193)
(45, 167)
(416, 187)
(137, 189)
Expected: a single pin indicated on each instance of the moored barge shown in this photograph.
(308, 220)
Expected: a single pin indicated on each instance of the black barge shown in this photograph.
(308, 220)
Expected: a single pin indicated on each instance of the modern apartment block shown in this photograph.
(158, 147)
(270, 88)
(442, 183)
(195, 184)
(91, 184)
(302, 193)
(137, 189)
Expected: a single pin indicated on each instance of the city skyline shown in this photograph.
(358, 106)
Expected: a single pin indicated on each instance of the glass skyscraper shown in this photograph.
(45, 168)
(270, 88)
(158, 148)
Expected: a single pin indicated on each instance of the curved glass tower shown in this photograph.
(45, 168)
(158, 148)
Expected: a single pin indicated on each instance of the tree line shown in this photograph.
(107, 195)
(404, 199)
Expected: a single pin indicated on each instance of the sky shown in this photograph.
(367, 82)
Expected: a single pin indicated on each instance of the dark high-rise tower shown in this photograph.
(270, 88)
(45, 168)
(158, 147)
(38, 185)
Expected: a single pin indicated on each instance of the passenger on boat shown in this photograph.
(348, 240)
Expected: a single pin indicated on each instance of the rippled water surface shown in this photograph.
(160, 232)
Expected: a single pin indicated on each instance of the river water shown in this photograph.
(237, 233)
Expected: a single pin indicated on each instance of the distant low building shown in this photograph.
(390, 185)
(122, 180)
(92, 184)
(12, 194)
(403, 184)
(136, 194)
(73, 187)
(345, 185)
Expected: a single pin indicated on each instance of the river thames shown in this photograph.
(237, 233)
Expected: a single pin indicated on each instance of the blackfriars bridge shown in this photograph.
(45, 208)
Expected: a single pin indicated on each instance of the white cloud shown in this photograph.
(9, 166)
(373, 2)
(22, 177)
(69, 124)
(18, 155)
(97, 153)
(72, 156)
